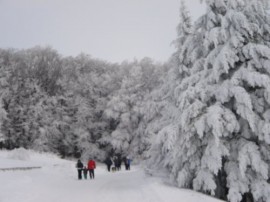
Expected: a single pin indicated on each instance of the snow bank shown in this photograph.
(28, 158)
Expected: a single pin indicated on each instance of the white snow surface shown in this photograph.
(57, 181)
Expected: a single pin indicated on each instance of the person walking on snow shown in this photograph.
(125, 160)
(79, 167)
(91, 168)
(85, 170)
(108, 162)
(128, 163)
(118, 162)
(113, 164)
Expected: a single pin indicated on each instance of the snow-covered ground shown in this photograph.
(57, 181)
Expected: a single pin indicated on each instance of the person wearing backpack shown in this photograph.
(91, 168)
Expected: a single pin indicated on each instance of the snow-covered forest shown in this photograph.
(202, 118)
(75, 106)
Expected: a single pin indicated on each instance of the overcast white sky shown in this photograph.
(113, 30)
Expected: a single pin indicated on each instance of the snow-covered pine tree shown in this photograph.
(223, 105)
(179, 58)
(165, 129)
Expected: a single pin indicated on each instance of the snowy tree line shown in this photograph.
(73, 106)
(202, 118)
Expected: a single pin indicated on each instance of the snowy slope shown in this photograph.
(57, 181)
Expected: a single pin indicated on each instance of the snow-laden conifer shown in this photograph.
(222, 147)
(163, 128)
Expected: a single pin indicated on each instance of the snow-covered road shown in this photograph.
(57, 182)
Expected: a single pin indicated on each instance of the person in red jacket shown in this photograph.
(91, 168)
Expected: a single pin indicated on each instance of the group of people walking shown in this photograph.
(114, 163)
(91, 166)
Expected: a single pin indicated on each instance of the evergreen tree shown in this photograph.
(165, 128)
(179, 58)
(221, 143)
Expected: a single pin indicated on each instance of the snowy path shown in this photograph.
(58, 183)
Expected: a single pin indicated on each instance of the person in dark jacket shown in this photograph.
(108, 162)
(128, 163)
(91, 168)
(125, 162)
(79, 167)
(119, 162)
